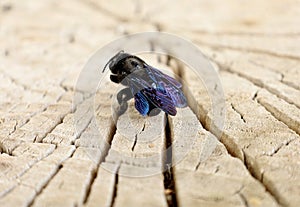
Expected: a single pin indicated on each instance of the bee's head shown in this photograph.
(124, 63)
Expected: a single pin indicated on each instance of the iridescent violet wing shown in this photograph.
(176, 94)
(152, 87)
(172, 86)
(161, 99)
(158, 75)
(141, 103)
(136, 85)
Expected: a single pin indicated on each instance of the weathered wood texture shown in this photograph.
(57, 153)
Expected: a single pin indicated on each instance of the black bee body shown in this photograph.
(150, 88)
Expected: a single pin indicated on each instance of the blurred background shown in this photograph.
(46, 43)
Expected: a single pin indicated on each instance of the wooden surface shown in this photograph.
(50, 157)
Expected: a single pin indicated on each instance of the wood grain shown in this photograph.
(61, 145)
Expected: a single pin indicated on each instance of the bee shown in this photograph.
(152, 90)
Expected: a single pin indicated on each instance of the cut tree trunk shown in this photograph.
(61, 146)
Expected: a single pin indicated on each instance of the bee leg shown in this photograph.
(116, 79)
(122, 108)
(124, 95)
(153, 111)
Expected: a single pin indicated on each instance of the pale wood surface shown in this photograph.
(50, 157)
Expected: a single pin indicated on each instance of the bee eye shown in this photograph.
(134, 63)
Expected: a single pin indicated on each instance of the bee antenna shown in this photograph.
(106, 65)
(111, 59)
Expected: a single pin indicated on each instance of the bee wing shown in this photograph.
(159, 97)
(141, 103)
(172, 86)
(136, 85)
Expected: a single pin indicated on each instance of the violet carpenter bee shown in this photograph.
(151, 89)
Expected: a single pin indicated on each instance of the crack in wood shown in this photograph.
(16, 82)
(7, 192)
(63, 88)
(239, 113)
(31, 203)
(282, 75)
(217, 169)
(239, 190)
(244, 156)
(259, 178)
(134, 142)
(78, 135)
(249, 168)
(103, 156)
(49, 132)
(255, 95)
(101, 160)
(115, 191)
(262, 176)
(253, 50)
(94, 175)
(296, 87)
(59, 167)
(136, 137)
(198, 165)
(73, 110)
(33, 114)
(277, 149)
(169, 178)
(37, 192)
(14, 128)
(169, 171)
(267, 68)
(29, 88)
(254, 98)
(243, 199)
(278, 118)
(229, 70)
